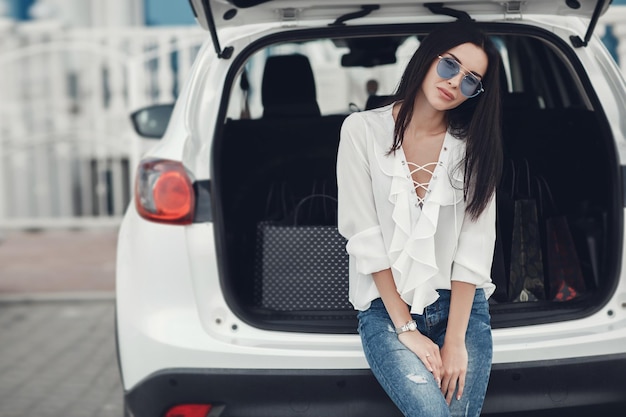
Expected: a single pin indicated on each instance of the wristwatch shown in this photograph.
(410, 326)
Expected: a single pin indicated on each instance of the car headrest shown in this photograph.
(288, 87)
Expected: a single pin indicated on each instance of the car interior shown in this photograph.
(559, 155)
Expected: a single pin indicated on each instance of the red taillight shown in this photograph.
(189, 410)
(164, 193)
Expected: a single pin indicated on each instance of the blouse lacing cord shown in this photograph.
(414, 168)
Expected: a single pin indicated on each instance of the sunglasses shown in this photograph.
(448, 68)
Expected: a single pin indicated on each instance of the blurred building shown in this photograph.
(71, 71)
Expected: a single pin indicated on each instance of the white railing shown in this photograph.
(66, 144)
(67, 149)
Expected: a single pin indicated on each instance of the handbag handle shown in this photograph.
(543, 186)
(526, 168)
(304, 200)
(277, 196)
(504, 180)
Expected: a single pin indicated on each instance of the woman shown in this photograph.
(417, 182)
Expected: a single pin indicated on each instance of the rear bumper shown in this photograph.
(568, 386)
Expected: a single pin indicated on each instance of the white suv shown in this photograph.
(206, 328)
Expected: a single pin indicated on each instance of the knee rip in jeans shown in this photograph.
(418, 379)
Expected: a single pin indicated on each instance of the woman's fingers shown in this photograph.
(459, 392)
(451, 383)
(448, 386)
(454, 371)
(434, 364)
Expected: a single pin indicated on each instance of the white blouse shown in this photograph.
(426, 247)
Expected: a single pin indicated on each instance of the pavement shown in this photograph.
(57, 344)
(57, 263)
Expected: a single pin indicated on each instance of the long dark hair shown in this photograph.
(477, 120)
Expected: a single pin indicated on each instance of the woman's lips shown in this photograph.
(446, 94)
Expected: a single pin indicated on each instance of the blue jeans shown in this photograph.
(403, 375)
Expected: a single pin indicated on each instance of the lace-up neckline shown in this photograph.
(421, 187)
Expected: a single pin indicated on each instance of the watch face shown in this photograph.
(412, 326)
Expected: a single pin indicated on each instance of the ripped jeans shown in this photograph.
(403, 375)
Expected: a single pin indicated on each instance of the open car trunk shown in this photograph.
(282, 269)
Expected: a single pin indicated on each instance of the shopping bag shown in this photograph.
(526, 277)
(301, 267)
(565, 277)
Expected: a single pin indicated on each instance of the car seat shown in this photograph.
(288, 88)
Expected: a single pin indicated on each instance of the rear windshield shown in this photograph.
(346, 73)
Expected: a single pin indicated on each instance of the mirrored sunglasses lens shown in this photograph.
(447, 68)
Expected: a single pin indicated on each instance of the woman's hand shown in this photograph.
(426, 350)
(454, 359)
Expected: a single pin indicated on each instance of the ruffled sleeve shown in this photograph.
(357, 218)
(474, 254)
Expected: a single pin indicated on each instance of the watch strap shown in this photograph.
(409, 326)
